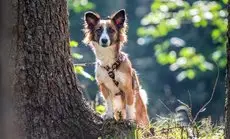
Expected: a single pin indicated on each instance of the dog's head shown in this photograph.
(105, 32)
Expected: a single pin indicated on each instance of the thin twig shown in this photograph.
(189, 110)
(190, 99)
(169, 128)
(85, 64)
(165, 105)
(184, 104)
(213, 91)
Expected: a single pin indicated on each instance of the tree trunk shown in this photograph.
(227, 102)
(49, 103)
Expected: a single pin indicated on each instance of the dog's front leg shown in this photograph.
(130, 102)
(109, 104)
(119, 106)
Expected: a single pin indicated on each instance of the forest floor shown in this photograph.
(173, 127)
(170, 128)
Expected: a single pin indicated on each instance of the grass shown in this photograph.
(170, 128)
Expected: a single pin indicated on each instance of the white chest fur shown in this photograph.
(103, 77)
(105, 56)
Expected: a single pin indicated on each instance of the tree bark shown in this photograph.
(227, 102)
(48, 101)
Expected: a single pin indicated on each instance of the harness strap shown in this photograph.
(115, 66)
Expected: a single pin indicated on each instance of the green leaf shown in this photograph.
(216, 34)
(80, 70)
(162, 29)
(172, 57)
(155, 5)
(190, 73)
(181, 76)
(222, 63)
(225, 1)
(141, 31)
(203, 23)
(202, 67)
(73, 44)
(80, 5)
(162, 58)
(216, 55)
(87, 75)
(77, 55)
(187, 52)
(100, 109)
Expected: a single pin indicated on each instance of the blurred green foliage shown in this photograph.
(78, 6)
(100, 109)
(167, 16)
(79, 69)
(171, 128)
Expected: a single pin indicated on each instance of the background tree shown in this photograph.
(227, 99)
(188, 38)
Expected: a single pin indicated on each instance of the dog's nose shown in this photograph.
(104, 40)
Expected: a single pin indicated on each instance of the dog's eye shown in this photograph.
(111, 30)
(99, 30)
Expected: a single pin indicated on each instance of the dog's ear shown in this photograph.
(91, 19)
(119, 18)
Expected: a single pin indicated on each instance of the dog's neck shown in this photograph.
(106, 56)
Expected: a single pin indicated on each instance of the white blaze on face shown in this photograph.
(104, 38)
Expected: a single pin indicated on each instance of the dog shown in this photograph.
(117, 80)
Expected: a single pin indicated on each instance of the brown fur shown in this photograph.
(132, 93)
(119, 37)
(130, 86)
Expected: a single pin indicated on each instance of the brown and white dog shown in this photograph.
(115, 76)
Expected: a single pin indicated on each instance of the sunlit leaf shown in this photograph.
(187, 51)
(177, 42)
(162, 58)
(202, 67)
(172, 57)
(73, 44)
(80, 5)
(190, 73)
(87, 75)
(216, 34)
(100, 109)
(167, 16)
(225, 1)
(155, 5)
(181, 76)
(216, 55)
(80, 70)
(222, 63)
(77, 55)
